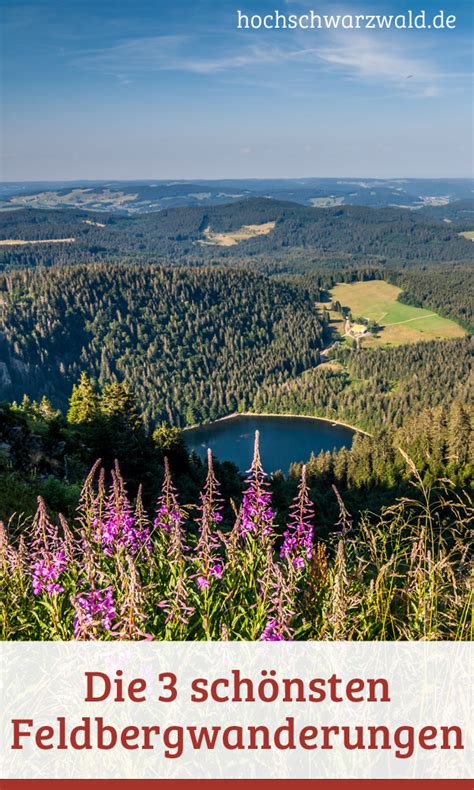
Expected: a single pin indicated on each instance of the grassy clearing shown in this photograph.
(400, 323)
(234, 237)
(19, 242)
(331, 365)
(96, 224)
(468, 234)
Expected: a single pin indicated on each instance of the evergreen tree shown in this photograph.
(84, 402)
(459, 435)
(46, 410)
(119, 405)
(169, 441)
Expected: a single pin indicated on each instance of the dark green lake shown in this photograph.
(283, 440)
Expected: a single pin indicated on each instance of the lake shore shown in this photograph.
(273, 414)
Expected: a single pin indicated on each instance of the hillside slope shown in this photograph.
(193, 343)
(340, 234)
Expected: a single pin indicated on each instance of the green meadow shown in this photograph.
(399, 323)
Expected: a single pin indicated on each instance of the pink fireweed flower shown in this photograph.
(216, 570)
(211, 516)
(119, 526)
(46, 572)
(271, 632)
(166, 518)
(91, 507)
(278, 627)
(298, 538)
(142, 524)
(256, 513)
(44, 532)
(48, 558)
(7, 552)
(94, 608)
(169, 516)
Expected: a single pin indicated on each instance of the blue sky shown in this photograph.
(152, 89)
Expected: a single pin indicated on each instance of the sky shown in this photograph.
(148, 89)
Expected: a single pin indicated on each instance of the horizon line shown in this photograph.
(178, 180)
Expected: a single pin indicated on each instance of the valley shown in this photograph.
(236, 379)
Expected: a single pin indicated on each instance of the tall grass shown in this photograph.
(118, 573)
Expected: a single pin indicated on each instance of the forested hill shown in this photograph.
(188, 235)
(194, 344)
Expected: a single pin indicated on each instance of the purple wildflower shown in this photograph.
(48, 558)
(271, 632)
(211, 516)
(46, 572)
(169, 516)
(142, 523)
(119, 526)
(45, 533)
(7, 552)
(256, 513)
(169, 521)
(278, 627)
(94, 608)
(216, 570)
(298, 538)
(69, 543)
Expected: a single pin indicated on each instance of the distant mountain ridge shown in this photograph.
(132, 197)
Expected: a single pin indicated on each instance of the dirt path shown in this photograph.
(420, 318)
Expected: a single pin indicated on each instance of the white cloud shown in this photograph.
(351, 54)
(172, 53)
(364, 57)
(431, 92)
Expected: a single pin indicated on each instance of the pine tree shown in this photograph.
(84, 402)
(46, 410)
(25, 405)
(340, 463)
(459, 439)
(119, 405)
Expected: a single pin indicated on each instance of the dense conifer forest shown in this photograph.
(194, 344)
(167, 332)
(331, 235)
(375, 388)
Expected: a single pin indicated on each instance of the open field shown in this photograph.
(78, 198)
(96, 224)
(18, 242)
(400, 323)
(234, 236)
(468, 234)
